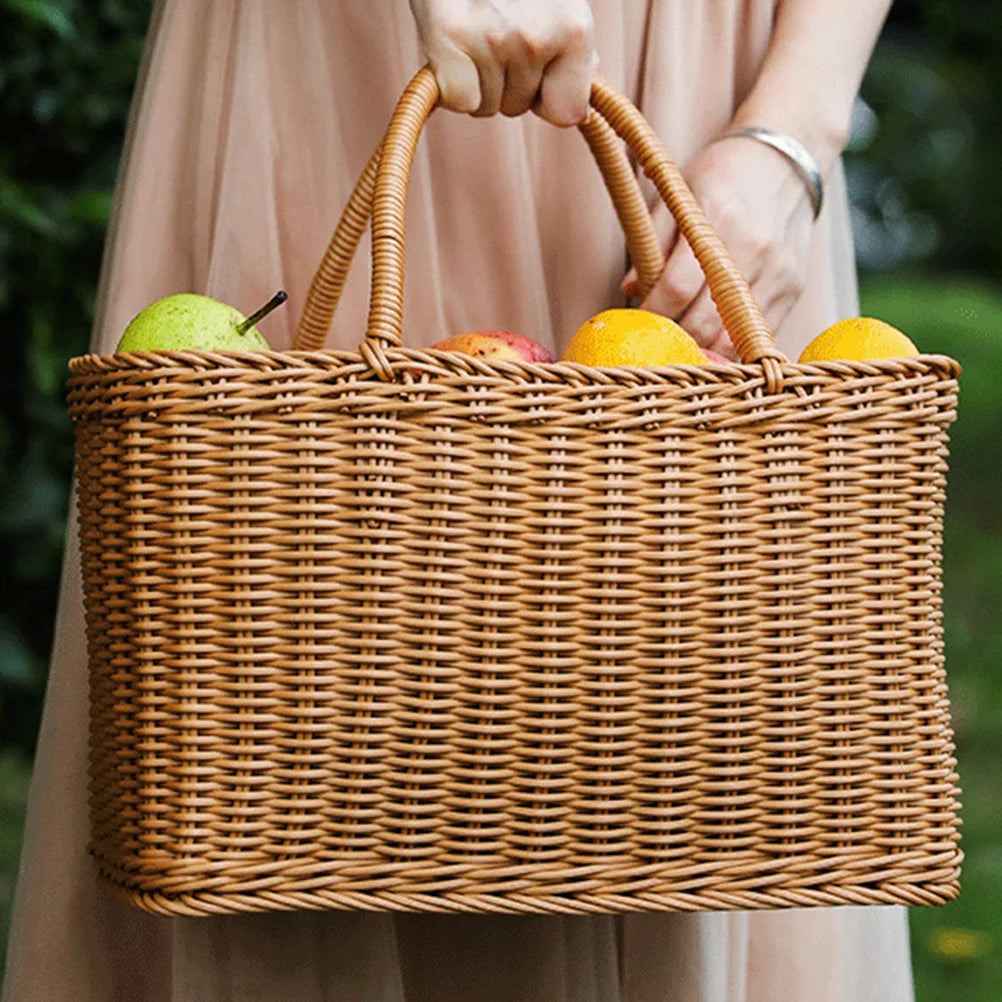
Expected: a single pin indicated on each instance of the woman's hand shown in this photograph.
(759, 207)
(750, 192)
(510, 55)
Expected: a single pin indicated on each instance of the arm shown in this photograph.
(510, 55)
(812, 72)
(752, 195)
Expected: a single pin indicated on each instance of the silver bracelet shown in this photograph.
(797, 154)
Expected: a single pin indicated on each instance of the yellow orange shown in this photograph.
(632, 337)
(858, 339)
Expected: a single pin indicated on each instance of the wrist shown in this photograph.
(797, 155)
(807, 84)
(824, 135)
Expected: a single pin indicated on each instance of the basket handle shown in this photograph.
(620, 180)
(384, 182)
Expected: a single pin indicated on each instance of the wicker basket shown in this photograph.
(402, 629)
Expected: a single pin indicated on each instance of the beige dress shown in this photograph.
(251, 121)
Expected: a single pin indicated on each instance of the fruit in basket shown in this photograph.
(632, 337)
(858, 339)
(500, 345)
(716, 357)
(187, 321)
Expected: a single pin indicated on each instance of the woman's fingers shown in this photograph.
(458, 77)
(566, 86)
(521, 88)
(510, 56)
(703, 322)
(492, 87)
(756, 205)
(680, 283)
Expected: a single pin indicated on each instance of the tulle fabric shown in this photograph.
(250, 124)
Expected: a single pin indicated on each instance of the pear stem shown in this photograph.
(280, 297)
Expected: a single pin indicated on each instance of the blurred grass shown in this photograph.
(957, 948)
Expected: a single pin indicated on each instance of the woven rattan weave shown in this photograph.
(402, 629)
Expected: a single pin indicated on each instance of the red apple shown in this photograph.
(715, 356)
(503, 345)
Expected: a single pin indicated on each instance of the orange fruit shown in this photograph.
(858, 339)
(632, 337)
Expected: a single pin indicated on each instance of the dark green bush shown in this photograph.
(67, 68)
(923, 174)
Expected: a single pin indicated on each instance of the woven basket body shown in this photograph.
(515, 637)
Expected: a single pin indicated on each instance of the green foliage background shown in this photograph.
(67, 68)
(923, 167)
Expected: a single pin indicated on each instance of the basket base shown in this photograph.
(195, 904)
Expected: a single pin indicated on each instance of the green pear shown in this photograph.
(187, 321)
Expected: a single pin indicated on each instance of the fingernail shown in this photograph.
(630, 287)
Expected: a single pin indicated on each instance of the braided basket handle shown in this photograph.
(383, 185)
(620, 180)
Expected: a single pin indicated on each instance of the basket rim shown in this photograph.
(448, 363)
